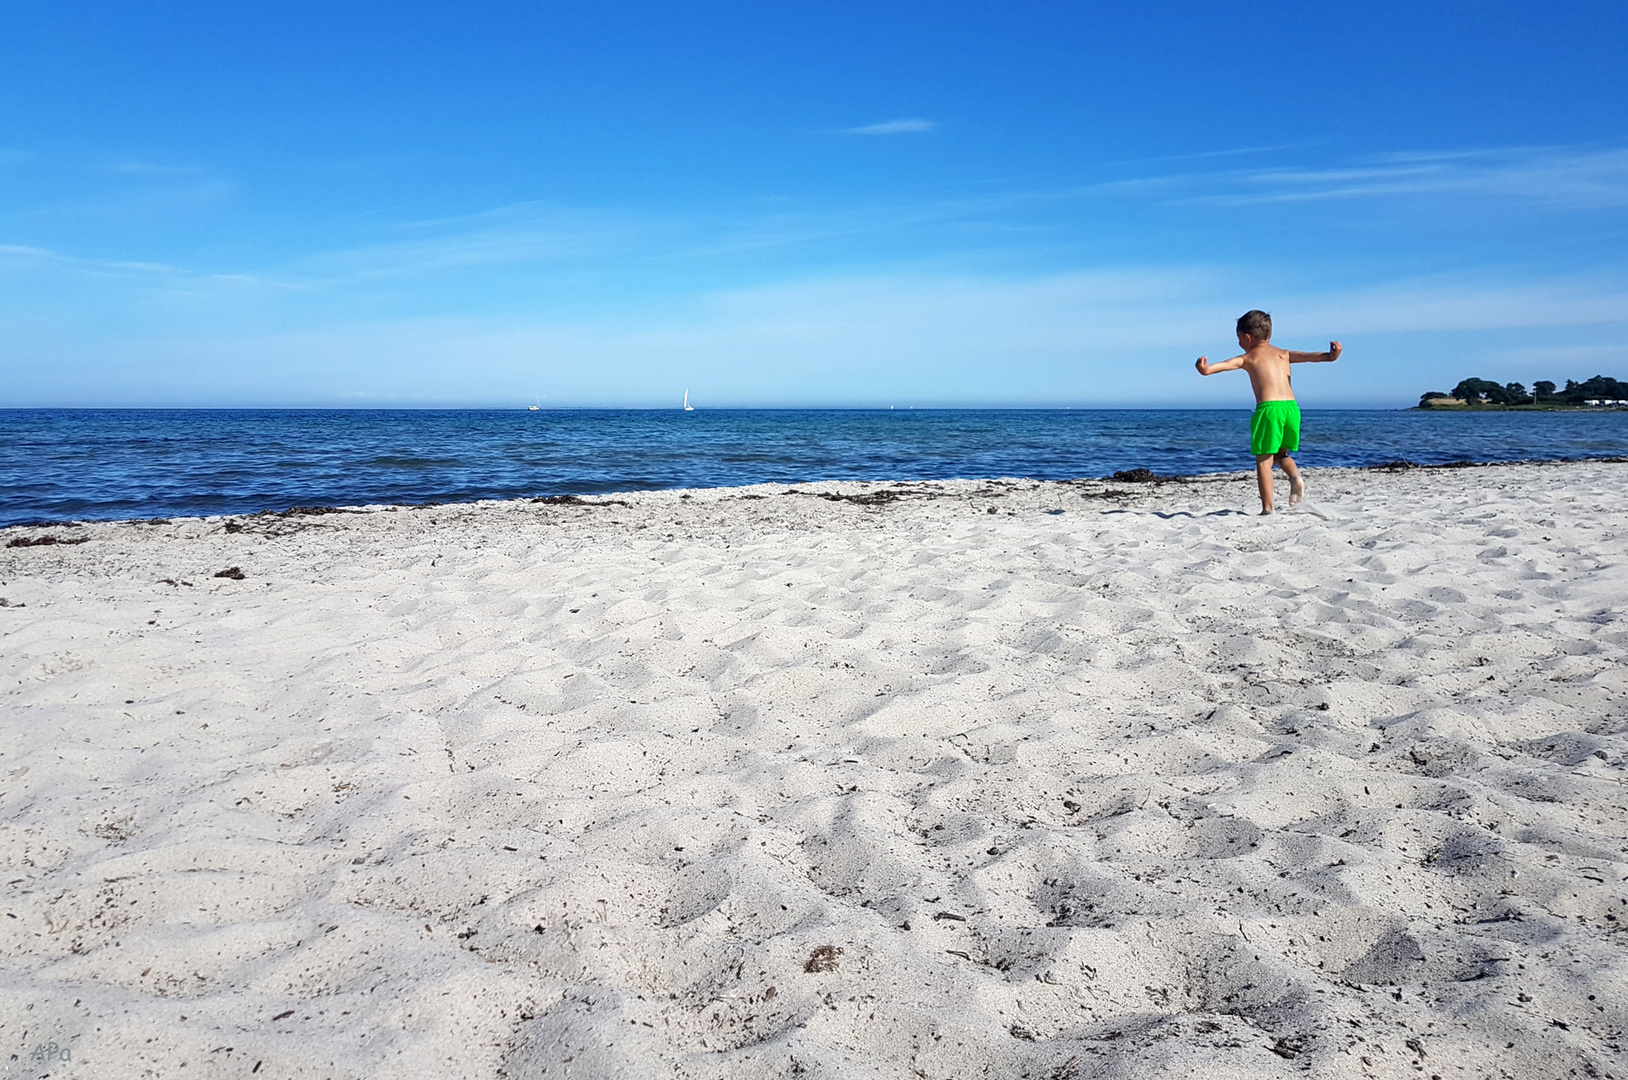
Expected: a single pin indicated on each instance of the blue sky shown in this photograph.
(802, 204)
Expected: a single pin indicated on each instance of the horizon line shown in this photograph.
(680, 409)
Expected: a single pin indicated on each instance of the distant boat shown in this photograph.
(687, 406)
(535, 408)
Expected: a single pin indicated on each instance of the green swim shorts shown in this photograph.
(1274, 428)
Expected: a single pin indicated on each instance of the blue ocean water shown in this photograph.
(108, 464)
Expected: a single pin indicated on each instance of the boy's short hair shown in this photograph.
(1257, 324)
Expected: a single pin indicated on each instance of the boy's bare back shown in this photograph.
(1268, 366)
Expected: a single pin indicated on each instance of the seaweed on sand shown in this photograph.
(44, 541)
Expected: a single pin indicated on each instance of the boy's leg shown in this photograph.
(1297, 487)
(1263, 477)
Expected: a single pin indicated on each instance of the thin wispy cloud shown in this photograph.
(903, 126)
(24, 251)
(15, 252)
(529, 233)
(149, 168)
(130, 278)
(1572, 357)
(1556, 177)
(1237, 151)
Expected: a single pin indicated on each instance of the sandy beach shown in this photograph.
(941, 780)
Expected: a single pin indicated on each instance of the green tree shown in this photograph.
(1472, 391)
(1543, 389)
(1602, 387)
(1598, 387)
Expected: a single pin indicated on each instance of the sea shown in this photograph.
(85, 464)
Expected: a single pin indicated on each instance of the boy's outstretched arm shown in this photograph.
(1206, 368)
(1333, 354)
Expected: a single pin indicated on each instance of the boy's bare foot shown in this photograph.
(1297, 491)
(1266, 513)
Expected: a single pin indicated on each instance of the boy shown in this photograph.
(1274, 429)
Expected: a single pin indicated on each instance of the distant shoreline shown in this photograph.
(1546, 407)
(1600, 391)
(1514, 409)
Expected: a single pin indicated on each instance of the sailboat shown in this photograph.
(687, 406)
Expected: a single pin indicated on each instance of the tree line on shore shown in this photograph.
(1487, 392)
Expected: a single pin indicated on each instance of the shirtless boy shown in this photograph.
(1274, 429)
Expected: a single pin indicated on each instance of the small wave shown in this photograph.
(391, 461)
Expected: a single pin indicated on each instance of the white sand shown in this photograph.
(1151, 787)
